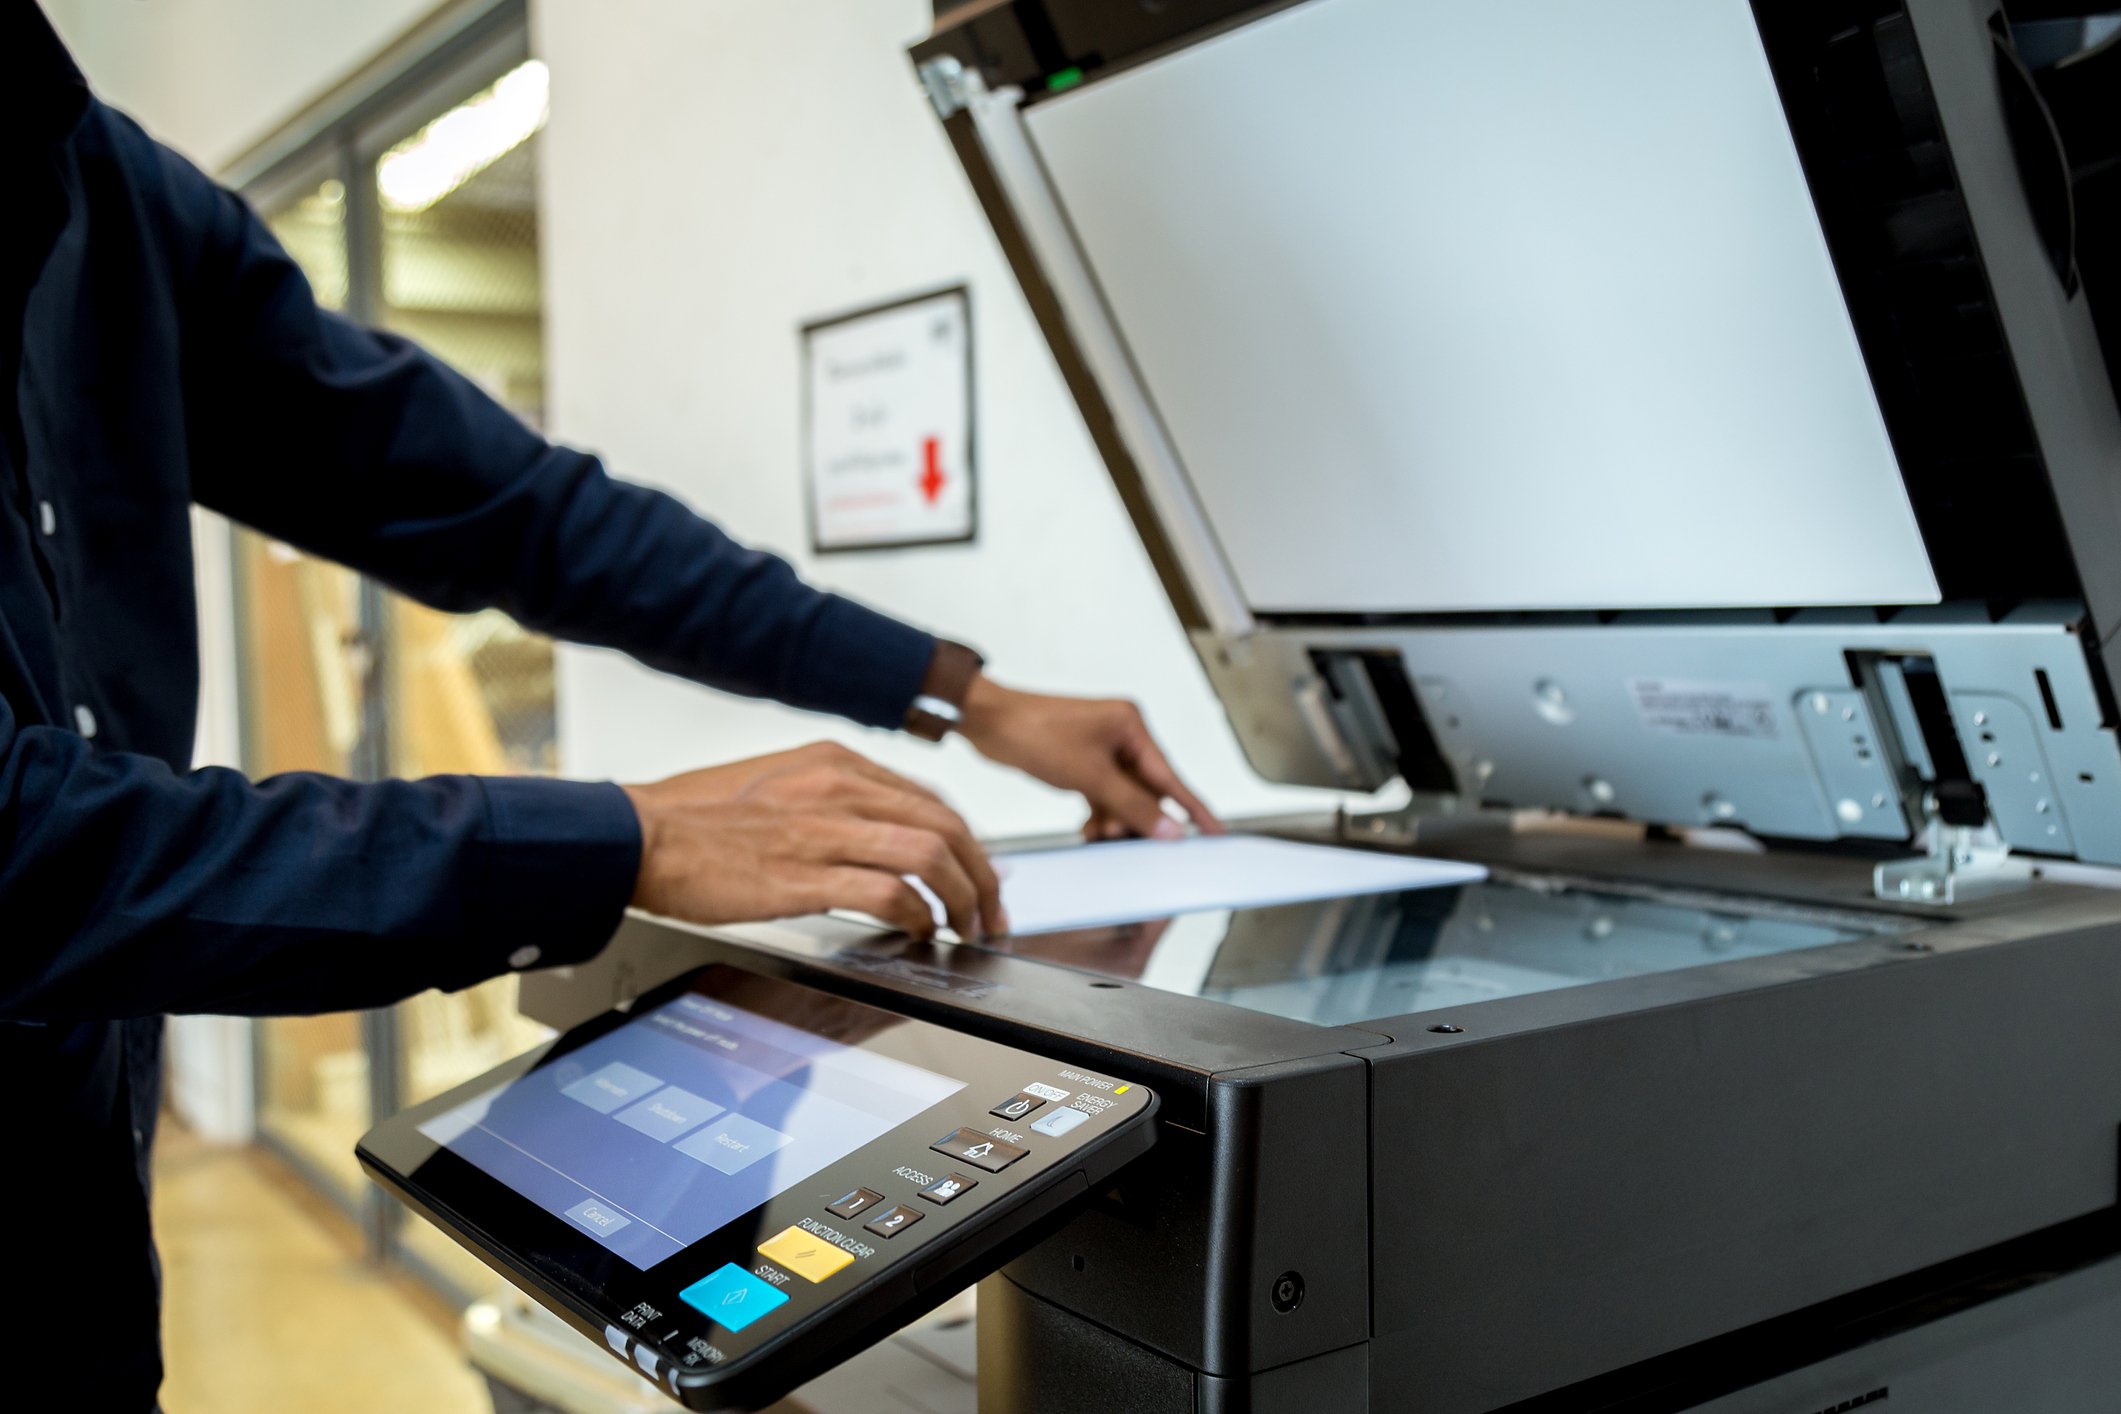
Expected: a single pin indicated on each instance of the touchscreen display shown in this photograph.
(685, 1118)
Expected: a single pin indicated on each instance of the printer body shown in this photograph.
(1674, 440)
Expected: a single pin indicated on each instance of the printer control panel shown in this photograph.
(740, 1174)
(889, 1206)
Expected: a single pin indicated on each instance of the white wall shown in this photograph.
(717, 172)
(213, 77)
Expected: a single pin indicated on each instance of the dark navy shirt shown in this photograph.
(169, 353)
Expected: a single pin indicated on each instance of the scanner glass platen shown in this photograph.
(1343, 961)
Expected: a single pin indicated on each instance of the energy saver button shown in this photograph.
(981, 1150)
(1060, 1122)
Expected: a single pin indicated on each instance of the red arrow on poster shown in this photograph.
(932, 471)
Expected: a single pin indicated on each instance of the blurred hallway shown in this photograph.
(268, 1306)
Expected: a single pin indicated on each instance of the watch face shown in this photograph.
(925, 724)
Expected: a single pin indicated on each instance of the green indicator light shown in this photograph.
(1066, 78)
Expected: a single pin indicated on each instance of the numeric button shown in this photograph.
(860, 1201)
(893, 1223)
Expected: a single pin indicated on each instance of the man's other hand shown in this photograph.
(802, 831)
(1101, 749)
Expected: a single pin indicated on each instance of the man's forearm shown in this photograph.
(131, 889)
(462, 506)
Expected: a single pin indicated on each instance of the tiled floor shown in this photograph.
(268, 1308)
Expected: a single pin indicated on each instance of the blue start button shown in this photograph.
(731, 1297)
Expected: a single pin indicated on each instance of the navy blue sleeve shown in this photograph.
(130, 889)
(365, 449)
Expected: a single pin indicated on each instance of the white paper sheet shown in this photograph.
(1130, 880)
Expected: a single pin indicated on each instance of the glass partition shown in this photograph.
(458, 265)
(420, 217)
(304, 675)
(458, 272)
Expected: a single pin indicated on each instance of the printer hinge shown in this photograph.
(950, 85)
(1958, 862)
(1963, 855)
(1376, 712)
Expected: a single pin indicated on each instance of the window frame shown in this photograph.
(459, 49)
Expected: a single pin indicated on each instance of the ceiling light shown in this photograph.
(465, 141)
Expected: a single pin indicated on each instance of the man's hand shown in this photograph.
(804, 831)
(1100, 748)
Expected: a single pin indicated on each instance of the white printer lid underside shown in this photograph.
(1418, 347)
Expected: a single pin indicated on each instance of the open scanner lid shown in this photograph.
(1657, 408)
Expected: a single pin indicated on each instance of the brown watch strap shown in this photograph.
(950, 672)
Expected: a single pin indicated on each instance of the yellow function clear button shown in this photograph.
(804, 1253)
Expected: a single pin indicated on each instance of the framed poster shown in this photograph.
(888, 449)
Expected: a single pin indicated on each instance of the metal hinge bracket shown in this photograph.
(1958, 863)
(951, 86)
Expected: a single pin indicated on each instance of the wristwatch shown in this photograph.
(939, 707)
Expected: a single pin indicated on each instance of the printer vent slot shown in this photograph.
(2047, 699)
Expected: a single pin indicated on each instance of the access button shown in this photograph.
(945, 1189)
(1060, 1122)
(860, 1201)
(973, 1147)
(894, 1222)
(731, 1297)
(1016, 1106)
(805, 1253)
